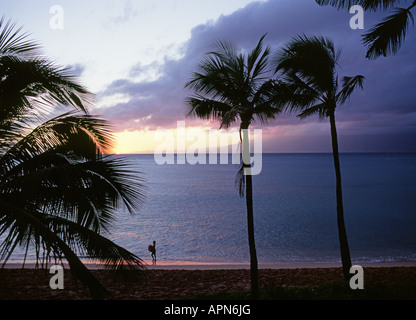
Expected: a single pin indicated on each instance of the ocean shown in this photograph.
(195, 214)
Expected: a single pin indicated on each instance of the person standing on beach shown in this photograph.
(152, 249)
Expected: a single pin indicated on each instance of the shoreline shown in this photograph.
(186, 265)
(197, 265)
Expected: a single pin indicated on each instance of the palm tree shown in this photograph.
(310, 86)
(387, 36)
(232, 87)
(58, 190)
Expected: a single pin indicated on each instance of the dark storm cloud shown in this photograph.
(385, 107)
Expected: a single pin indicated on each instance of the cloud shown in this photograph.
(155, 92)
(76, 69)
(129, 12)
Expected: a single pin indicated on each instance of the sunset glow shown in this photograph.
(179, 140)
(136, 58)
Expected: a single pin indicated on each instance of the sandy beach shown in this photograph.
(176, 280)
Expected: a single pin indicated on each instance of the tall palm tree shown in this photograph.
(387, 36)
(310, 86)
(234, 87)
(58, 190)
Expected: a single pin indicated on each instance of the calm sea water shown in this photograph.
(194, 212)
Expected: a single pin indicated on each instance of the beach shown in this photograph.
(185, 281)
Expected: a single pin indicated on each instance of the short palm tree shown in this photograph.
(233, 87)
(387, 36)
(58, 190)
(310, 86)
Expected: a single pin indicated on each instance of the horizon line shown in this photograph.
(294, 152)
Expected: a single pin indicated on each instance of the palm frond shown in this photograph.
(240, 180)
(320, 109)
(87, 242)
(87, 192)
(295, 94)
(28, 84)
(336, 3)
(210, 109)
(387, 36)
(311, 59)
(302, 88)
(230, 84)
(35, 225)
(12, 41)
(257, 60)
(78, 134)
(266, 102)
(225, 51)
(366, 4)
(379, 4)
(348, 86)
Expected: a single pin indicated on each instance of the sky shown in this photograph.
(137, 55)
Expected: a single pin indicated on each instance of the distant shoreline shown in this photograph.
(287, 153)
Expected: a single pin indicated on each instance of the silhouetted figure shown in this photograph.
(152, 249)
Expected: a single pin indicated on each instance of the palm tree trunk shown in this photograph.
(251, 241)
(342, 233)
(97, 291)
(250, 215)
